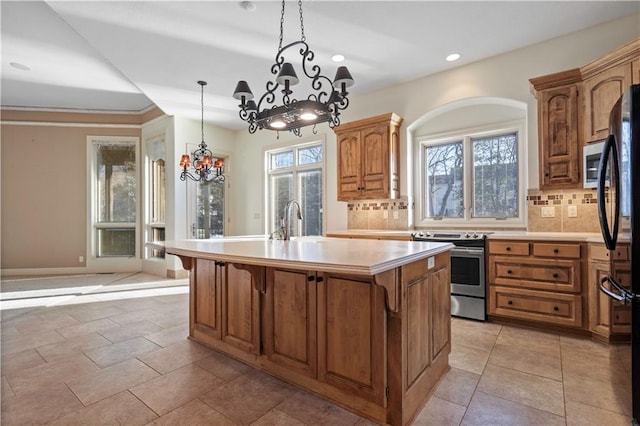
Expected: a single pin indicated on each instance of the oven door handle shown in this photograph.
(468, 250)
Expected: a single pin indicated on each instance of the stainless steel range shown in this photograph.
(468, 279)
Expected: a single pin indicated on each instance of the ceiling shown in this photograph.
(128, 55)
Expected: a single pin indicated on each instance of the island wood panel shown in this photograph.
(241, 306)
(418, 328)
(441, 307)
(351, 336)
(205, 317)
(290, 320)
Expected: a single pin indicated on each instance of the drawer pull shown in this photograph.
(509, 271)
(508, 248)
(510, 302)
(555, 275)
(556, 251)
(555, 308)
(311, 278)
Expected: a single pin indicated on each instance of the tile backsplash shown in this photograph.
(378, 214)
(560, 202)
(394, 214)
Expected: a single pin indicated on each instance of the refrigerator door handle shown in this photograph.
(610, 238)
(623, 294)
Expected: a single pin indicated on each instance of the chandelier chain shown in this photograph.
(281, 27)
(302, 36)
(202, 111)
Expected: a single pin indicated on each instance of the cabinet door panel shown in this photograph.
(290, 320)
(558, 127)
(601, 92)
(375, 160)
(205, 316)
(440, 309)
(349, 160)
(242, 309)
(352, 336)
(418, 329)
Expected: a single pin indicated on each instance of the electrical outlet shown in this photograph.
(548, 211)
(81, 259)
(572, 211)
(396, 215)
(385, 214)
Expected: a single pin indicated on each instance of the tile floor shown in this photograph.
(112, 349)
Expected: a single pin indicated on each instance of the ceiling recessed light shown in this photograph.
(249, 6)
(337, 58)
(453, 57)
(18, 65)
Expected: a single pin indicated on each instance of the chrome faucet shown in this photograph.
(286, 220)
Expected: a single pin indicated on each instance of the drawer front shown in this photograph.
(621, 252)
(621, 319)
(509, 247)
(557, 275)
(543, 306)
(598, 252)
(570, 251)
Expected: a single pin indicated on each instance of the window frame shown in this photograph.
(295, 171)
(151, 203)
(111, 263)
(466, 135)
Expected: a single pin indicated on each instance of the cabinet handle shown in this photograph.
(510, 302)
(555, 275)
(311, 278)
(319, 279)
(508, 249)
(556, 251)
(546, 175)
(555, 308)
(509, 271)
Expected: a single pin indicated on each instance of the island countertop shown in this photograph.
(339, 255)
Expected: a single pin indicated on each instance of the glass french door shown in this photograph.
(207, 208)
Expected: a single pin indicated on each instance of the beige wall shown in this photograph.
(44, 185)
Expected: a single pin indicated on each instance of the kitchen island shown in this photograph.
(364, 324)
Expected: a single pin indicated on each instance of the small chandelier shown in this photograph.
(325, 104)
(205, 168)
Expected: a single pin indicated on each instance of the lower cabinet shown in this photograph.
(376, 344)
(609, 320)
(225, 304)
(289, 320)
(351, 336)
(538, 281)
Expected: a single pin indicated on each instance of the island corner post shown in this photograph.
(376, 344)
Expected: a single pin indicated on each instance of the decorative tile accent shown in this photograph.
(378, 214)
(584, 199)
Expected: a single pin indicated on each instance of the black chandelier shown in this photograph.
(325, 104)
(205, 168)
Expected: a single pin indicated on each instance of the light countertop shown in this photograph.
(590, 237)
(342, 255)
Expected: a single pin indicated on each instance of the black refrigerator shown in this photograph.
(619, 212)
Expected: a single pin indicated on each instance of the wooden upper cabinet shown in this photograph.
(368, 158)
(600, 94)
(558, 136)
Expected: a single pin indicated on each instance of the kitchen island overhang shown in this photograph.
(363, 323)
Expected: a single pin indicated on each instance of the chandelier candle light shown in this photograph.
(205, 168)
(324, 105)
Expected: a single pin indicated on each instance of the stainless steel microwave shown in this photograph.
(591, 160)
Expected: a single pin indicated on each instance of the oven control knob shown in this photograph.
(467, 235)
(420, 234)
(428, 234)
(475, 235)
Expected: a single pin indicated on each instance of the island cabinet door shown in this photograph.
(241, 306)
(352, 336)
(289, 320)
(205, 317)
